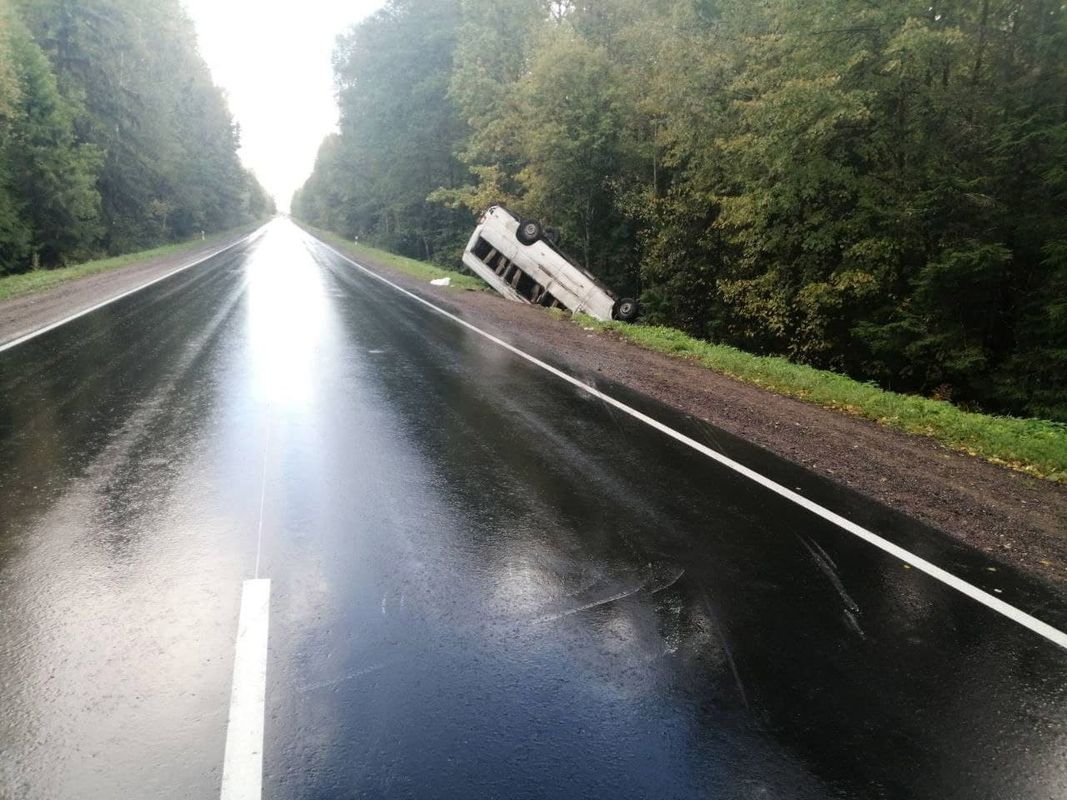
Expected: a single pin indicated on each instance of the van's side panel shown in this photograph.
(570, 285)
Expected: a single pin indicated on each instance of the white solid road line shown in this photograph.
(1054, 635)
(52, 325)
(242, 768)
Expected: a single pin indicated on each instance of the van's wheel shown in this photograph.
(626, 309)
(529, 231)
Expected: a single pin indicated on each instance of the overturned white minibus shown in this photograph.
(516, 258)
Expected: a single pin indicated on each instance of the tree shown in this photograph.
(136, 90)
(399, 133)
(51, 207)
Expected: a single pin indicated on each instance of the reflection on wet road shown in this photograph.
(484, 583)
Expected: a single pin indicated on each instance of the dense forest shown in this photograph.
(875, 188)
(112, 135)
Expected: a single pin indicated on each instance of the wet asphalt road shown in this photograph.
(484, 582)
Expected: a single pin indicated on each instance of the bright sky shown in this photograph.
(273, 60)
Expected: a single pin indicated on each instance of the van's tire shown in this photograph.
(529, 231)
(627, 309)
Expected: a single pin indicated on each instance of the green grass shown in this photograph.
(409, 266)
(1036, 447)
(39, 280)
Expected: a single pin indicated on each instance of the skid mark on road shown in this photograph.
(721, 634)
(655, 581)
(348, 676)
(602, 601)
(829, 568)
(663, 586)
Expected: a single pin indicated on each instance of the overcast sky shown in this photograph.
(273, 60)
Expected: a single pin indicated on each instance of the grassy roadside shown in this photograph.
(12, 286)
(1036, 447)
(409, 266)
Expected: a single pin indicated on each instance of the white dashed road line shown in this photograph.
(242, 769)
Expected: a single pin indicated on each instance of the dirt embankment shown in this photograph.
(1020, 519)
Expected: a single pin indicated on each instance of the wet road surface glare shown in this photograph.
(477, 581)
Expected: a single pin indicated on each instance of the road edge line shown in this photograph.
(242, 766)
(1003, 608)
(53, 325)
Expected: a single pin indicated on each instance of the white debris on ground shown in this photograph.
(441, 281)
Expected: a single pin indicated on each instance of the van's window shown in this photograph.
(513, 275)
(482, 249)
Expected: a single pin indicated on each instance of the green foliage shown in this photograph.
(877, 189)
(113, 136)
(14, 233)
(47, 170)
(398, 135)
(570, 130)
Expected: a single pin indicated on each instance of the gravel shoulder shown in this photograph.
(1014, 517)
(27, 313)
